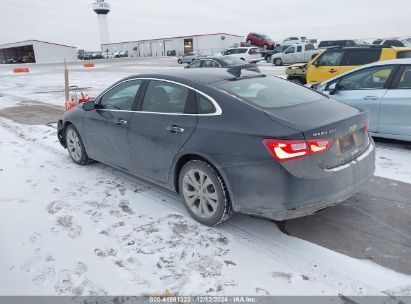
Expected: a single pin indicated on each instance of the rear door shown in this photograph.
(365, 89)
(164, 120)
(106, 128)
(395, 110)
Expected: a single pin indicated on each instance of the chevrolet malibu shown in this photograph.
(226, 140)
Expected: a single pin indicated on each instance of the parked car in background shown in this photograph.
(260, 40)
(268, 54)
(295, 53)
(293, 40)
(388, 42)
(189, 57)
(284, 151)
(331, 43)
(337, 60)
(406, 41)
(222, 62)
(248, 54)
(384, 89)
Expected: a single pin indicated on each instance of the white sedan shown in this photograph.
(248, 54)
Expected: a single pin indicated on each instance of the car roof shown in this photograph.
(204, 76)
(404, 61)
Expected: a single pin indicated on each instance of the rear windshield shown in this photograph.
(268, 92)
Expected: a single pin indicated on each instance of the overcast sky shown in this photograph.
(73, 22)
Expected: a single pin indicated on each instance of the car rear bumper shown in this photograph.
(279, 195)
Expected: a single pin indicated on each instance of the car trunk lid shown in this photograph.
(346, 126)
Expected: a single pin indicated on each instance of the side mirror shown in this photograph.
(89, 106)
(317, 63)
(332, 89)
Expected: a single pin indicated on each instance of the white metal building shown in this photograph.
(36, 51)
(206, 44)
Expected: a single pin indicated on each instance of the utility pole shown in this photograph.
(66, 82)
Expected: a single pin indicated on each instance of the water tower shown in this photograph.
(101, 8)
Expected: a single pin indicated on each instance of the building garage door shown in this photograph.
(144, 49)
(169, 47)
(157, 48)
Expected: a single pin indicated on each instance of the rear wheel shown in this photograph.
(204, 193)
(268, 58)
(76, 147)
(179, 61)
(278, 62)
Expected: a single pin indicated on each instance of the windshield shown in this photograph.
(268, 92)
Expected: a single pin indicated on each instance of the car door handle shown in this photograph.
(175, 129)
(121, 122)
(370, 97)
(332, 70)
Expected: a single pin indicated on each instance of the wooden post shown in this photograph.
(66, 82)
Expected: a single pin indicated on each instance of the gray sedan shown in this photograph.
(384, 89)
(188, 57)
(226, 140)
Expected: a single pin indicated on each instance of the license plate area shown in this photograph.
(347, 143)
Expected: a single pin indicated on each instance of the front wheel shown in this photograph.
(204, 193)
(76, 147)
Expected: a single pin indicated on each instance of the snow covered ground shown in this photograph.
(92, 230)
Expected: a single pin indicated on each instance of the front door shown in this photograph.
(395, 111)
(160, 127)
(328, 65)
(365, 89)
(106, 128)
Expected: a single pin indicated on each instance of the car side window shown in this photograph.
(195, 64)
(204, 105)
(404, 54)
(368, 79)
(361, 57)
(299, 48)
(122, 96)
(330, 58)
(210, 64)
(290, 50)
(241, 51)
(405, 80)
(165, 97)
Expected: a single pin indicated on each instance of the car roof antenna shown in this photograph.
(235, 71)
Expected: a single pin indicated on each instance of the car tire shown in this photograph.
(75, 146)
(179, 61)
(268, 58)
(242, 59)
(204, 193)
(278, 62)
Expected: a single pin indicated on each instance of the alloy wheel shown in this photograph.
(74, 145)
(200, 193)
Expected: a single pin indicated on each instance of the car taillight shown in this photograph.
(291, 149)
(286, 149)
(320, 145)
